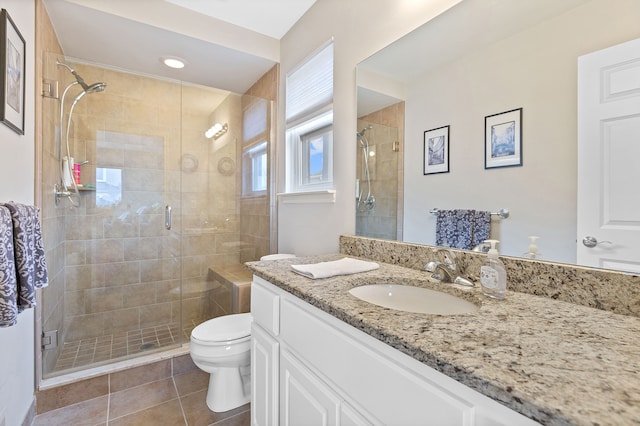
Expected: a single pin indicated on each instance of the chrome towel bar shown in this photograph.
(502, 213)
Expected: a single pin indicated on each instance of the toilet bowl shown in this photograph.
(222, 347)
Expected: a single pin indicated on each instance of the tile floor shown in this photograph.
(173, 400)
(98, 350)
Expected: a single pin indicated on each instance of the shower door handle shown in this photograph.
(167, 217)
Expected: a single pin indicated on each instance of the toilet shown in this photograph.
(222, 347)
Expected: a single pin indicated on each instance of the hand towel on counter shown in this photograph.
(463, 229)
(344, 266)
(31, 265)
(8, 280)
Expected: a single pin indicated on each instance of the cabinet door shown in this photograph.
(350, 417)
(264, 378)
(304, 399)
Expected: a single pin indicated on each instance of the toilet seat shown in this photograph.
(223, 330)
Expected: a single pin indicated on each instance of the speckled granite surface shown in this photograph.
(601, 289)
(556, 362)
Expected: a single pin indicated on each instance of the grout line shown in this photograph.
(184, 415)
(109, 397)
(228, 418)
(149, 408)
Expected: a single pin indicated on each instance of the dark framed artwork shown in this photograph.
(12, 71)
(503, 139)
(436, 150)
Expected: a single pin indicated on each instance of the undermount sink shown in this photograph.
(413, 299)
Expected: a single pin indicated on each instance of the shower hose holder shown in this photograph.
(59, 192)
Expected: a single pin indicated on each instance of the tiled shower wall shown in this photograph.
(386, 171)
(122, 268)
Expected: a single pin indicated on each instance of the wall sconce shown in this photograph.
(216, 131)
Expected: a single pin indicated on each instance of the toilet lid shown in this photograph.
(224, 328)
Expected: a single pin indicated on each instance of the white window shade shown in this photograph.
(254, 121)
(310, 86)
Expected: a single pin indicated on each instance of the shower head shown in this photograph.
(96, 87)
(363, 131)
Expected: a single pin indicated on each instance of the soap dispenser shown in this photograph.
(493, 275)
(532, 253)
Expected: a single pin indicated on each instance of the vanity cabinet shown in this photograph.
(310, 368)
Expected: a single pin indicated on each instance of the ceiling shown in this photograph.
(272, 18)
(223, 46)
(463, 29)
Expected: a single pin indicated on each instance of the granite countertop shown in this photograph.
(555, 362)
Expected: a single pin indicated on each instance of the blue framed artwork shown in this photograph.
(503, 139)
(12, 74)
(436, 150)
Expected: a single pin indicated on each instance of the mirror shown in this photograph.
(480, 58)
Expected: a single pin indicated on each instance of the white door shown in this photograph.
(609, 158)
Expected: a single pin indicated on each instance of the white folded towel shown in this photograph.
(344, 266)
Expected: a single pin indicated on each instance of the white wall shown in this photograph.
(535, 70)
(17, 176)
(359, 28)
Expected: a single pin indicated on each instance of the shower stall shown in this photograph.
(148, 221)
(379, 174)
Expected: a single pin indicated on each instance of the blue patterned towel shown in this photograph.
(463, 229)
(31, 265)
(8, 280)
(481, 227)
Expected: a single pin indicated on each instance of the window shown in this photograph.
(255, 133)
(255, 163)
(309, 123)
(108, 187)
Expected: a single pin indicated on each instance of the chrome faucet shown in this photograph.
(447, 270)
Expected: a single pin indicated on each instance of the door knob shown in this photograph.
(591, 242)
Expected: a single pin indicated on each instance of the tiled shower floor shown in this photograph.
(98, 350)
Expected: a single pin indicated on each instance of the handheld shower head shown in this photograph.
(361, 137)
(364, 130)
(96, 87)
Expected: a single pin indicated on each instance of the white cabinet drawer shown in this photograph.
(265, 305)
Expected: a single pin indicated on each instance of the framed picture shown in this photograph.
(503, 139)
(12, 74)
(436, 150)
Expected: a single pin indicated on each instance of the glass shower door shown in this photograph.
(116, 289)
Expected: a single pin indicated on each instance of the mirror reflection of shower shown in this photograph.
(365, 202)
(67, 180)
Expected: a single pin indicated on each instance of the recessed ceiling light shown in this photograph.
(173, 62)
